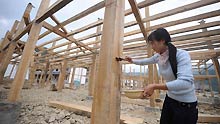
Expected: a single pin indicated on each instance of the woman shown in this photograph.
(180, 104)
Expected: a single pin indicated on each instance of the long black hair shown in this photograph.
(160, 34)
(163, 34)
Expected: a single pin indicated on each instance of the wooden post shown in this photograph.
(202, 82)
(62, 76)
(3, 43)
(215, 59)
(72, 74)
(217, 71)
(41, 77)
(32, 72)
(11, 70)
(27, 54)
(130, 78)
(49, 76)
(80, 76)
(209, 81)
(140, 79)
(7, 54)
(106, 104)
(91, 77)
(156, 80)
(150, 67)
(93, 71)
(45, 74)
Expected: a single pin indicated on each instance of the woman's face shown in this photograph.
(158, 46)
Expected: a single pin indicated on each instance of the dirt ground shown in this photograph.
(35, 109)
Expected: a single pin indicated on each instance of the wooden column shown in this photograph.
(62, 75)
(27, 54)
(4, 42)
(32, 72)
(72, 74)
(217, 71)
(215, 59)
(13, 66)
(93, 70)
(202, 82)
(41, 77)
(106, 104)
(7, 54)
(130, 77)
(49, 76)
(150, 67)
(209, 80)
(91, 77)
(139, 85)
(80, 75)
(156, 80)
(45, 74)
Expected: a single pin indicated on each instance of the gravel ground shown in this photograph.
(35, 109)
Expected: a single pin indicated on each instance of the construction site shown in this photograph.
(58, 65)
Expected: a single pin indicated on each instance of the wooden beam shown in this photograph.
(6, 55)
(52, 9)
(150, 67)
(58, 23)
(62, 75)
(86, 111)
(26, 57)
(205, 118)
(143, 4)
(217, 70)
(176, 22)
(106, 104)
(137, 15)
(197, 35)
(174, 11)
(93, 9)
(26, 15)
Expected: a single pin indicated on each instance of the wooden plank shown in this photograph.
(143, 4)
(106, 104)
(150, 67)
(86, 111)
(197, 35)
(93, 68)
(62, 75)
(176, 22)
(138, 17)
(52, 29)
(184, 8)
(84, 13)
(84, 28)
(26, 15)
(26, 57)
(95, 8)
(204, 118)
(52, 9)
(58, 23)
(6, 55)
(217, 70)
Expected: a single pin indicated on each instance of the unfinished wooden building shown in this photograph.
(113, 37)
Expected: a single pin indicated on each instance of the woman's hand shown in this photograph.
(129, 59)
(149, 90)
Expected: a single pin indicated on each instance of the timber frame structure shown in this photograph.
(99, 55)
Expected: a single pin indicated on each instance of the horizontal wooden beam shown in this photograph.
(52, 9)
(86, 111)
(137, 15)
